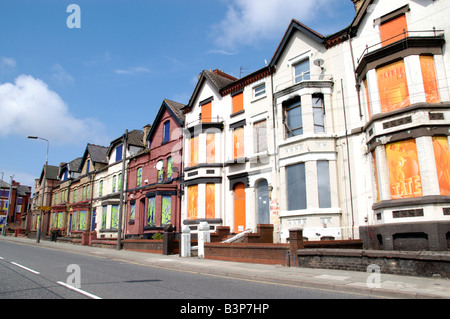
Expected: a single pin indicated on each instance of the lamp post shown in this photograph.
(38, 236)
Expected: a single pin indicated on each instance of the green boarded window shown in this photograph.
(166, 210)
(139, 177)
(114, 182)
(100, 189)
(74, 221)
(115, 217)
(151, 212)
(169, 168)
(132, 213)
(104, 212)
(82, 223)
(60, 220)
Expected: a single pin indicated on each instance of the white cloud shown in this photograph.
(133, 70)
(29, 107)
(60, 75)
(248, 21)
(7, 64)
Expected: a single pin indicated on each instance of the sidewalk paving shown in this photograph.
(393, 286)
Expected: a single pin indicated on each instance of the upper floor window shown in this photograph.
(302, 71)
(100, 189)
(259, 91)
(139, 177)
(260, 136)
(166, 137)
(393, 86)
(318, 113)
(87, 166)
(169, 168)
(118, 153)
(238, 102)
(238, 141)
(293, 121)
(206, 114)
(393, 30)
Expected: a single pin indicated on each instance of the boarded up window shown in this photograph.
(210, 148)
(323, 183)
(194, 151)
(238, 102)
(238, 137)
(151, 212)
(404, 174)
(296, 184)
(166, 210)
(260, 136)
(210, 203)
(239, 208)
(318, 113)
(429, 79)
(206, 112)
(393, 30)
(192, 202)
(393, 86)
(442, 158)
(114, 217)
(366, 87)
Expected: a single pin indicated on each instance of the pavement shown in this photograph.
(361, 283)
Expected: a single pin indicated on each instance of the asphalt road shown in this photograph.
(31, 272)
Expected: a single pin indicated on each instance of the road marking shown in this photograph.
(26, 268)
(78, 290)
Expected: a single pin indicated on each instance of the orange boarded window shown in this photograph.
(393, 86)
(393, 30)
(210, 203)
(429, 79)
(404, 174)
(238, 102)
(192, 202)
(442, 157)
(239, 208)
(238, 137)
(206, 112)
(193, 151)
(210, 148)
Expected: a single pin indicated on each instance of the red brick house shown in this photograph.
(153, 196)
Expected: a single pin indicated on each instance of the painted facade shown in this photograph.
(153, 196)
(108, 184)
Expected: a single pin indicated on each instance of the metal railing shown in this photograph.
(401, 36)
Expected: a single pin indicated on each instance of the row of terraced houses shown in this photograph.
(345, 135)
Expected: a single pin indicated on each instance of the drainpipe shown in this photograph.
(348, 159)
(357, 86)
(119, 226)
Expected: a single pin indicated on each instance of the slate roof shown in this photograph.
(135, 138)
(217, 78)
(174, 108)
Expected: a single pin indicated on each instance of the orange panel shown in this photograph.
(207, 112)
(429, 79)
(210, 148)
(393, 86)
(394, 30)
(404, 174)
(238, 135)
(238, 102)
(442, 157)
(194, 151)
(210, 201)
(192, 202)
(239, 208)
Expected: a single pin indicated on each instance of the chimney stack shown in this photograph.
(147, 129)
(358, 4)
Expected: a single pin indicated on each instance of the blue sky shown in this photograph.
(75, 86)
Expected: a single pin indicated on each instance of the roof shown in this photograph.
(135, 138)
(97, 154)
(52, 173)
(174, 108)
(73, 166)
(217, 78)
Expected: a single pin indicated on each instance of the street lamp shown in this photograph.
(38, 236)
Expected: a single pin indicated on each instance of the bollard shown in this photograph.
(185, 250)
(203, 237)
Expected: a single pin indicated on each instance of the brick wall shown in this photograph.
(425, 264)
(261, 253)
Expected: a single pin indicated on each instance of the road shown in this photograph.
(29, 272)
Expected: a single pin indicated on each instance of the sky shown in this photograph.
(84, 74)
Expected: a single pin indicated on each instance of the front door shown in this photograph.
(263, 202)
(239, 208)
